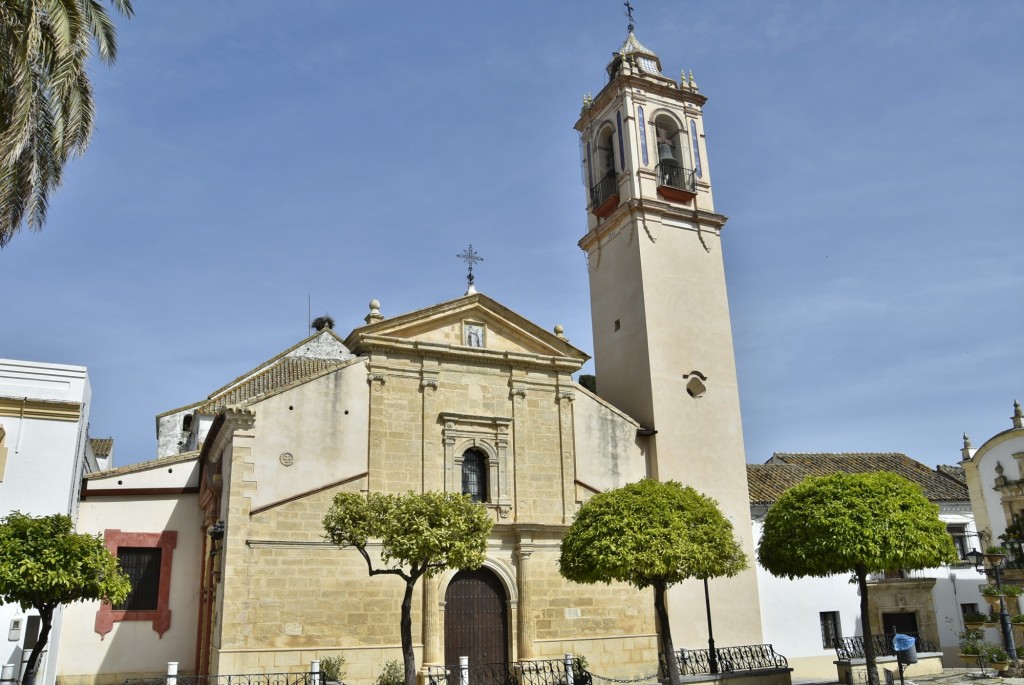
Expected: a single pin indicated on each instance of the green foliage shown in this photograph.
(971, 640)
(392, 674)
(44, 563)
(428, 532)
(589, 381)
(991, 591)
(650, 532)
(1013, 590)
(849, 521)
(1019, 618)
(333, 668)
(975, 617)
(995, 549)
(46, 112)
(420, 534)
(995, 653)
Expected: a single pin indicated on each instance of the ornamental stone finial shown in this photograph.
(559, 331)
(967, 441)
(1018, 416)
(693, 84)
(374, 316)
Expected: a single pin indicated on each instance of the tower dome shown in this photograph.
(633, 51)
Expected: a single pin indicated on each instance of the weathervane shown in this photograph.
(629, 14)
(470, 256)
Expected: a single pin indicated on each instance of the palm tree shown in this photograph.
(46, 106)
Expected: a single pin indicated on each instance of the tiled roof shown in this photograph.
(142, 466)
(954, 472)
(101, 447)
(283, 372)
(765, 482)
(303, 359)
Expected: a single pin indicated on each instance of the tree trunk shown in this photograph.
(46, 620)
(865, 624)
(407, 654)
(667, 647)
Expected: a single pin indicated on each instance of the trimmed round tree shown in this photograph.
(857, 523)
(420, 534)
(44, 564)
(651, 534)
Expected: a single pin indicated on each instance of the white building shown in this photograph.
(803, 618)
(44, 453)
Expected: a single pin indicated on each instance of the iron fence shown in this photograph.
(604, 189)
(850, 648)
(730, 660)
(542, 672)
(247, 679)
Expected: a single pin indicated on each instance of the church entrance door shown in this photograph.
(476, 619)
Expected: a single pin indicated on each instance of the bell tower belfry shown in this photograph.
(663, 349)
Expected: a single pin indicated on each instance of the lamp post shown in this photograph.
(978, 559)
(712, 655)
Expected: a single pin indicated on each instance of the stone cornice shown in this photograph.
(636, 82)
(47, 410)
(432, 350)
(637, 208)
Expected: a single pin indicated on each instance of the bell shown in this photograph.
(665, 153)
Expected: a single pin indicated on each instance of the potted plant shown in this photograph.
(992, 595)
(1017, 622)
(995, 554)
(997, 658)
(970, 645)
(332, 668)
(974, 620)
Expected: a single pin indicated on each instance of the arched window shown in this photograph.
(474, 475)
(675, 174)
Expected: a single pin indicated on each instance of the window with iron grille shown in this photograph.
(474, 475)
(142, 564)
(831, 633)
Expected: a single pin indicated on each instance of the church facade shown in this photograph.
(463, 396)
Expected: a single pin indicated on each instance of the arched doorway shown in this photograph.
(476, 619)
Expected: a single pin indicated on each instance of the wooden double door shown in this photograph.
(476, 619)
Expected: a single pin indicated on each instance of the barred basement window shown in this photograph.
(831, 633)
(474, 475)
(142, 564)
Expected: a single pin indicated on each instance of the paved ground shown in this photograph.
(950, 676)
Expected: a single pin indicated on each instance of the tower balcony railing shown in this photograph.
(676, 182)
(605, 195)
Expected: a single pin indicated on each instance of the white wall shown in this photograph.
(45, 462)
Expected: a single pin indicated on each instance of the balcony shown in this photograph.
(676, 183)
(604, 197)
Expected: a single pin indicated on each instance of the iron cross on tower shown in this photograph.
(470, 256)
(629, 13)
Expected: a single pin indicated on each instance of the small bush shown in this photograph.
(333, 668)
(393, 674)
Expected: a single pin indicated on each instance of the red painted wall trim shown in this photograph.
(161, 616)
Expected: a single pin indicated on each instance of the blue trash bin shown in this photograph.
(906, 648)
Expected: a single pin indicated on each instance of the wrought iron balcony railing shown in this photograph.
(674, 176)
(605, 189)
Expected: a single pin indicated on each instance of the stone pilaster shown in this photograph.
(566, 442)
(526, 625)
(431, 624)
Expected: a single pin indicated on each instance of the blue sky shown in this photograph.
(250, 155)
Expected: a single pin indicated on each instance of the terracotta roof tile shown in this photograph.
(765, 482)
(101, 447)
(283, 372)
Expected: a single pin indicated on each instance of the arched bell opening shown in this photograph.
(604, 195)
(675, 177)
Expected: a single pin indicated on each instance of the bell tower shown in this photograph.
(663, 347)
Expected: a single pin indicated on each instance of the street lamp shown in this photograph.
(978, 559)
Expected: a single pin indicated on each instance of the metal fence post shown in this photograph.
(172, 673)
(314, 670)
(464, 670)
(568, 669)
